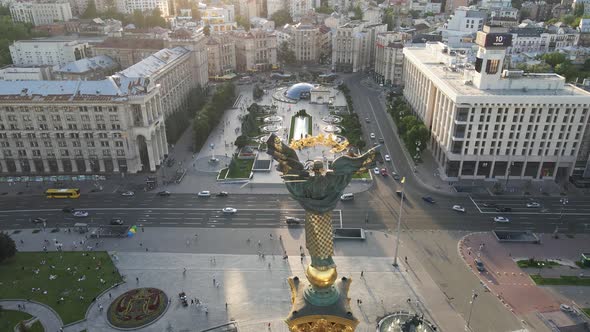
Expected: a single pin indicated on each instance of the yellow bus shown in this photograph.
(62, 193)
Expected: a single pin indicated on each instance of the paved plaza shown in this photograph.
(254, 288)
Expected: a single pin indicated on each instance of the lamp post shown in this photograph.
(399, 223)
(563, 202)
(473, 297)
(508, 175)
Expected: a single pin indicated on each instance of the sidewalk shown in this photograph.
(48, 318)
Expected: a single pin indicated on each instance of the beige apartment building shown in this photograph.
(221, 50)
(389, 57)
(353, 46)
(256, 50)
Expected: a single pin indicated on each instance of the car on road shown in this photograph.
(395, 176)
(376, 170)
(229, 210)
(384, 172)
(204, 193)
(387, 158)
(222, 194)
(501, 219)
(347, 197)
(381, 140)
(428, 199)
(458, 208)
(490, 205)
(367, 120)
(80, 214)
(533, 205)
(164, 193)
(68, 209)
(566, 308)
(170, 162)
(372, 135)
(128, 194)
(116, 221)
(479, 265)
(293, 221)
(400, 194)
(39, 220)
(503, 209)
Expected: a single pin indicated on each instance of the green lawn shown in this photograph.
(587, 311)
(536, 264)
(240, 168)
(364, 175)
(223, 173)
(563, 280)
(581, 265)
(9, 319)
(18, 278)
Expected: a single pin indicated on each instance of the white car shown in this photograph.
(128, 194)
(533, 205)
(566, 308)
(81, 214)
(372, 135)
(458, 208)
(376, 170)
(387, 157)
(501, 219)
(229, 210)
(204, 193)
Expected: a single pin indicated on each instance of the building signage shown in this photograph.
(498, 40)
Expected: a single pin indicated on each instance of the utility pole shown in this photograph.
(473, 297)
(399, 223)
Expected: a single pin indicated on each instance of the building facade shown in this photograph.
(299, 8)
(272, 6)
(353, 46)
(47, 52)
(219, 19)
(129, 6)
(389, 57)
(305, 42)
(40, 13)
(221, 55)
(256, 50)
(487, 123)
(128, 51)
(89, 69)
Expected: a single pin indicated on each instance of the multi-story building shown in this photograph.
(15, 73)
(373, 15)
(495, 4)
(533, 39)
(536, 10)
(451, 5)
(95, 68)
(219, 19)
(389, 57)
(256, 50)
(584, 30)
(353, 46)
(465, 21)
(40, 13)
(221, 55)
(128, 51)
(250, 8)
(78, 127)
(79, 6)
(129, 6)
(487, 123)
(305, 42)
(585, 3)
(299, 8)
(426, 6)
(47, 52)
(272, 6)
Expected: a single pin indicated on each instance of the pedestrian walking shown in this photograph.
(362, 274)
(137, 279)
(270, 236)
(406, 258)
(269, 265)
(259, 244)
(206, 311)
(110, 296)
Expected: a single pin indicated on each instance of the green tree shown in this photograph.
(207, 30)
(324, 10)
(7, 247)
(155, 19)
(12, 31)
(415, 14)
(579, 10)
(358, 13)
(567, 70)
(553, 59)
(281, 17)
(568, 19)
(285, 54)
(138, 19)
(241, 141)
(243, 22)
(90, 11)
(389, 18)
(257, 92)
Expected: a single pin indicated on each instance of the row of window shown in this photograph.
(57, 117)
(62, 152)
(53, 109)
(63, 144)
(71, 126)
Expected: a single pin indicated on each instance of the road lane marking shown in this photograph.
(169, 223)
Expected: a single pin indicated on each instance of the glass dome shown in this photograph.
(299, 91)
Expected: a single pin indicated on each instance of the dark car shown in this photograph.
(399, 194)
(479, 265)
(428, 199)
(503, 209)
(381, 140)
(116, 221)
(68, 209)
(164, 193)
(291, 221)
(222, 194)
(170, 162)
(39, 220)
(490, 205)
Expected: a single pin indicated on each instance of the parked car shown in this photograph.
(229, 210)
(81, 214)
(68, 209)
(347, 197)
(384, 172)
(479, 265)
(428, 199)
(367, 120)
(291, 221)
(372, 135)
(387, 158)
(533, 205)
(204, 193)
(39, 220)
(128, 194)
(376, 170)
(458, 208)
(501, 219)
(566, 308)
(164, 193)
(222, 194)
(116, 221)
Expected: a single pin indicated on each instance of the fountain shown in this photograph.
(271, 128)
(273, 119)
(405, 322)
(332, 119)
(331, 129)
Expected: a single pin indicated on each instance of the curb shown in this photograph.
(38, 303)
(92, 304)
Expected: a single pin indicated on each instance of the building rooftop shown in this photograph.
(88, 64)
(154, 63)
(132, 43)
(59, 90)
(455, 74)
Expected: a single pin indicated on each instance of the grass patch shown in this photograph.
(586, 311)
(532, 263)
(581, 265)
(364, 175)
(563, 280)
(35, 231)
(223, 173)
(240, 168)
(25, 271)
(9, 319)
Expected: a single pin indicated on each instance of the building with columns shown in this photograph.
(489, 123)
(389, 57)
(78, 127)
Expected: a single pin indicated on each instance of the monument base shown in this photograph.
(307, 317)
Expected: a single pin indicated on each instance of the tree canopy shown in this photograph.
(281, 17)
(7, 246)
(12, 31)
(90, 11)
(285, 54)
(243, 21)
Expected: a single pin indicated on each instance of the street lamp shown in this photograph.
(473, 297)
(508, 176)
(399, 223)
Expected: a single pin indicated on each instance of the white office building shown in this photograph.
(389, 57)
(353, 46)
(47, 52)
(129, 6)
(40, 13)
(487, 123)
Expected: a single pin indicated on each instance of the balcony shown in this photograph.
(458, 136)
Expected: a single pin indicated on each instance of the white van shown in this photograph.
(347, 197)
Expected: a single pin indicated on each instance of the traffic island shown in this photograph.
(137, 308)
